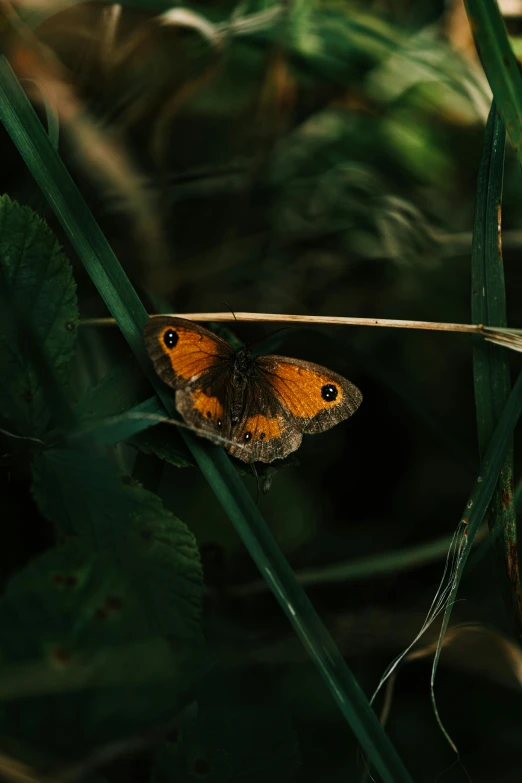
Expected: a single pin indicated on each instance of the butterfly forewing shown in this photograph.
(197, 363)
(182, 351)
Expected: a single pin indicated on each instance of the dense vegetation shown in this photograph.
(313, 158)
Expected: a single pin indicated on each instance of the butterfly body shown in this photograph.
(258, 407)
(243, 371)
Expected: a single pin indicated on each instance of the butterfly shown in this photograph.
(259, 408)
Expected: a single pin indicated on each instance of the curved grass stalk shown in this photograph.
(474, 513)
(440, 601)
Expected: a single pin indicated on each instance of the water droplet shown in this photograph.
(479, 479)
(470, 503)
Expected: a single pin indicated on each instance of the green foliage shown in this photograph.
(230, 737)
(117, 392)
(111, 412)
(491, 368)
(38, 283)
(82, 661)
(301, 157)
(84, 494)
(498, 408)
(162, 442)
(100, 637)
(500, 65)
(124, 304)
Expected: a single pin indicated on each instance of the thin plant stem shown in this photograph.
(311, 319)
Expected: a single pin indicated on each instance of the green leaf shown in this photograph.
(116, 393)
(111, 429)
(37, 279)
(81, 662)
(165, 443)
(228, 740)
(111, 413)
(155, 550)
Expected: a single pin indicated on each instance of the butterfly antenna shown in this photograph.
(229, 308)
(281, 329)
(269, 337)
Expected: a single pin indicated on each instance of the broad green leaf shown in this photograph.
(228, 739)
(85, 495)
(110, 429)
(122, 388)
(81, 663)
(165, 443)
(111, 412)
(37, 279)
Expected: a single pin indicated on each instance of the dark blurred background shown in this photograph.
(323, 165)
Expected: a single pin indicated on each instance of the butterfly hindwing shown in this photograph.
(264, 432)
(202, 404)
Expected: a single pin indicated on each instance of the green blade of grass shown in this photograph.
(122, 301)
(490, 362)
(494, 401)
(124, 426)
(500, 65)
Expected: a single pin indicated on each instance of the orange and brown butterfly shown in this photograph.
(259, 408)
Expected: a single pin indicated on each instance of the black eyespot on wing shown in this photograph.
(209, 415)
(170, 338)
(219, 423)
(329, 392)
(262, 436)
(248, 436)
